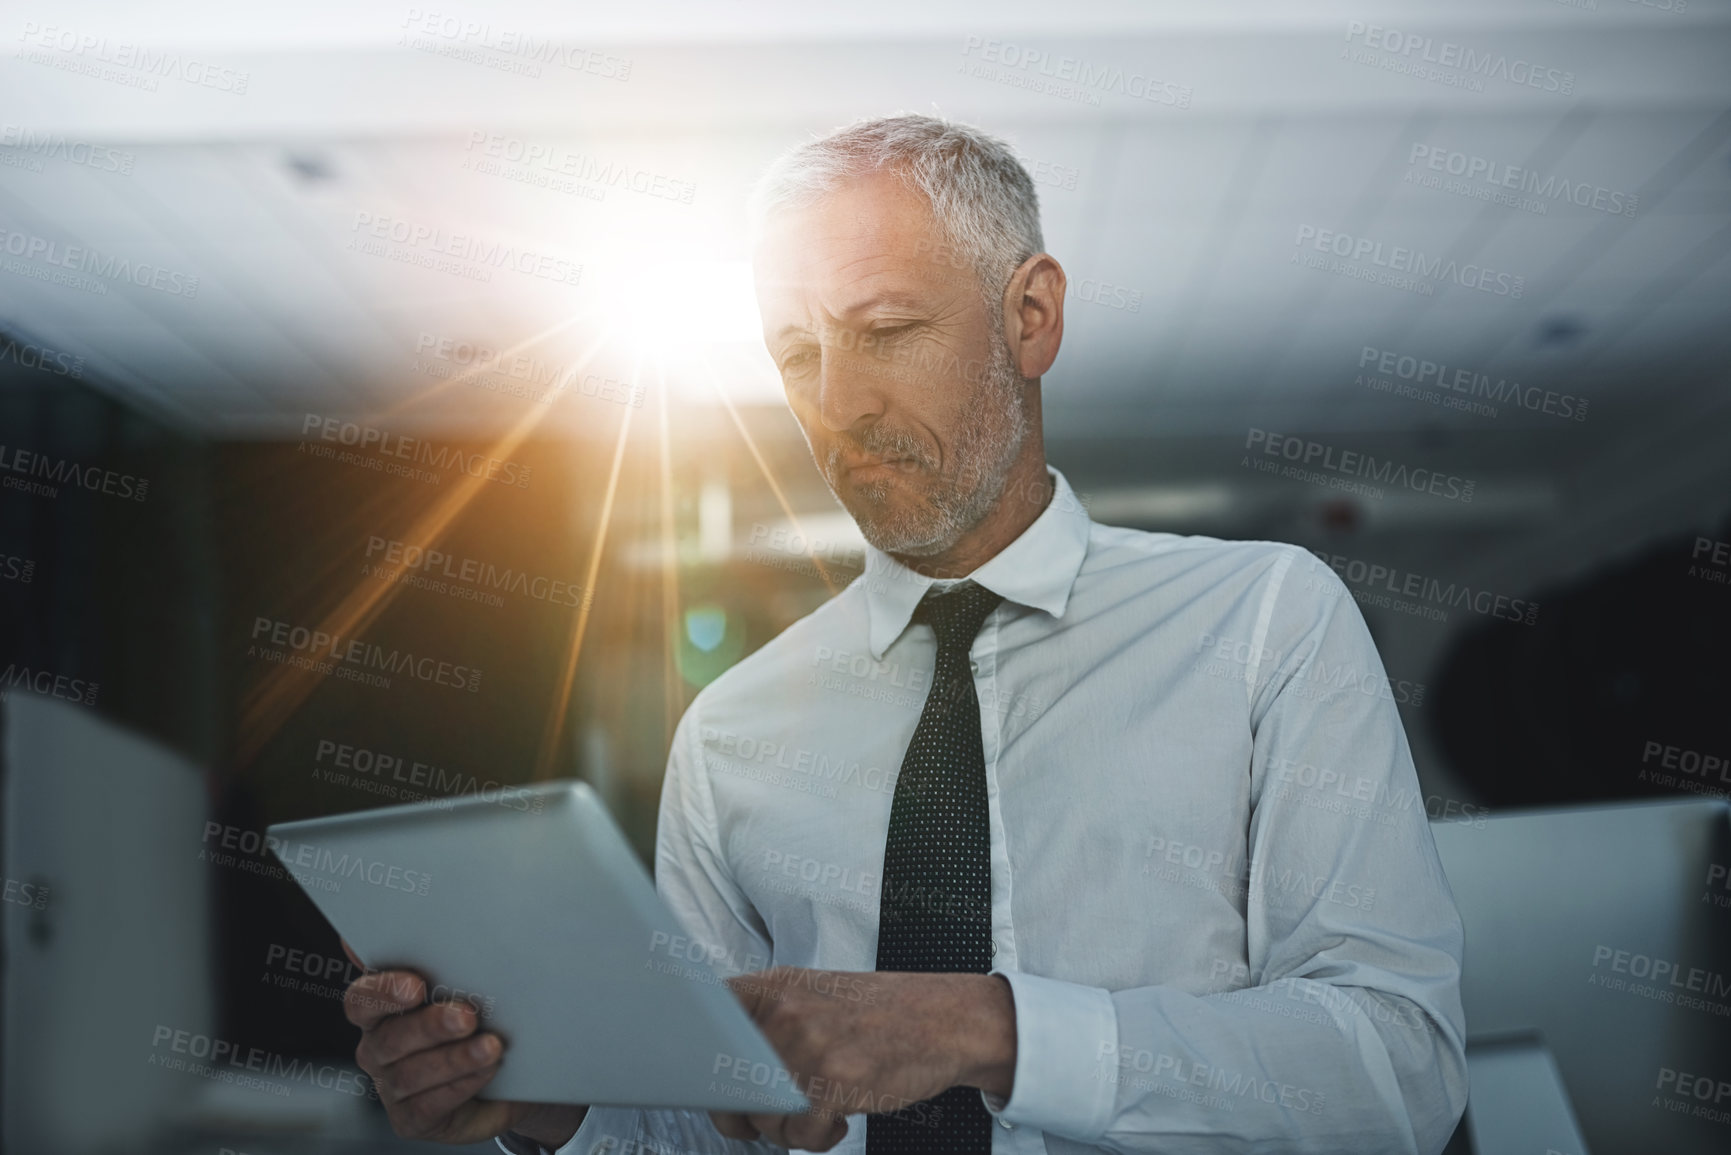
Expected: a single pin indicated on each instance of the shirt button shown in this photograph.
(994, 947)
(1006, 1124)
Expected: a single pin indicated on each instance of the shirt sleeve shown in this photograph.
(723, 926)
(1346, 1030)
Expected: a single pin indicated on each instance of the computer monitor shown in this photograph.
(106, 929)
(1602, 933)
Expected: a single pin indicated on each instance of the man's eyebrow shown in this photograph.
(889, 297)
(886, 299)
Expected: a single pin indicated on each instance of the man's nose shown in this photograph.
(846, 395)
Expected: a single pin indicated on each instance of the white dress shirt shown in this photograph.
(1215, 895)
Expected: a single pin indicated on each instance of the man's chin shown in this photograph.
(910, 533)
(894, 514)
(897, 540)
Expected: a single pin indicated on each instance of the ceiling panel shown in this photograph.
(321, 211)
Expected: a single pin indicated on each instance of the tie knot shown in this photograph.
(957, 614)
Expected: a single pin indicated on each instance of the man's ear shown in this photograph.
(1034, 313)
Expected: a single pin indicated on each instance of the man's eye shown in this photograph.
(796, 361)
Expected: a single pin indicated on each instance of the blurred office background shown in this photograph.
(256, 260)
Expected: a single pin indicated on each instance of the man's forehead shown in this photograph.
(864, 225)
(891, 276)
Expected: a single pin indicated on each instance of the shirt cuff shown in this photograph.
(523, 1145)
(1064, 1032)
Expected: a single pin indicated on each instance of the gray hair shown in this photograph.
(980, 195)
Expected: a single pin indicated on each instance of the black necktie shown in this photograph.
(935, 913)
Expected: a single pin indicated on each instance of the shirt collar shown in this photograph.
(1038, 569)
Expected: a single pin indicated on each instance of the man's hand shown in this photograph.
(873, 1042)
(429, 1063)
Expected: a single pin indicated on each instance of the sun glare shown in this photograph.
(671, 306)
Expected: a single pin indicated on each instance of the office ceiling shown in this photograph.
(372, 142)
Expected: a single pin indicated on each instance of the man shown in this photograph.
(1115, 843)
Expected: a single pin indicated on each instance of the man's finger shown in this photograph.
(818, 1131)
(393, 1040)
(373, 997)
(430, 1115)
(734, 1125)
(350, 951)
(425, 1070)
(773, 1128)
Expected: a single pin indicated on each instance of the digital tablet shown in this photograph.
(529, 904)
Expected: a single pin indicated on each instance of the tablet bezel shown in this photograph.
(489, 832)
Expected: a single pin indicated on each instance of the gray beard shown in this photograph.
(958, 499)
